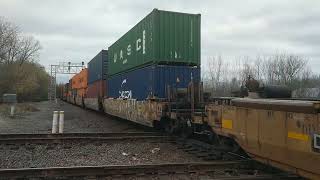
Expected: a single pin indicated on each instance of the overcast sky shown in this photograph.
(75, 30)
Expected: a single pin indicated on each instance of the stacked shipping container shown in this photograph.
(162, 49)
(79, 86)
(80, 83)
(162, 37)
(97, 73)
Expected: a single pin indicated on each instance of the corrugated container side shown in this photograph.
(96, 89)
(177, 37)
(151, 80)
(162, 37)
(80, 83)
(98, 67)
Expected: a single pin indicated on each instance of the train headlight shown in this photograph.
(316, 141)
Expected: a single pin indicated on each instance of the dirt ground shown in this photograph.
(37, 118)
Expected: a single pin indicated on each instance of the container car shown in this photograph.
(281, 133)
(162, 37)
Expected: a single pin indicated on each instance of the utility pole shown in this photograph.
(61, 68)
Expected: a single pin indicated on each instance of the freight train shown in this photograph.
(151, 76)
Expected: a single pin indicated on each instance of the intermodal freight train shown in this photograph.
(151, 76)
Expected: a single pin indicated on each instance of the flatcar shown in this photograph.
(281, 133)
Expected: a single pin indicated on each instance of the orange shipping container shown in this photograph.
(80, 82)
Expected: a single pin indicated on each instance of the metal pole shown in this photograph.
(61, 121)
(55, 86)
(55, 122)
(12, 110)
(50, 86)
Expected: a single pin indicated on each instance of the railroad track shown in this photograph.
(207, 151)
(77, 135)
(217, 164)
(204, 170)
(90, 137)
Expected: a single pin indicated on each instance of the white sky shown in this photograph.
(76, 30)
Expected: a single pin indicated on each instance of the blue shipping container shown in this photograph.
(151, 80)
(97, 67)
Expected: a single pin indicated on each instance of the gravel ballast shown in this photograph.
(77, 154)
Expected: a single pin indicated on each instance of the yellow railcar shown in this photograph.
(282, 133)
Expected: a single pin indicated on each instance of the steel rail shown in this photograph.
(116, 134)
(143, 169)
(92, 137)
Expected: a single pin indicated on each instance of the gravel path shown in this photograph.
(76, 120)
(75, 154)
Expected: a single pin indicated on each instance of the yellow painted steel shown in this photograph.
(299, 136)
(227, 123)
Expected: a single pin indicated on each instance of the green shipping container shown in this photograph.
(162, 37)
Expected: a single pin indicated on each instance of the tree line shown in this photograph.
(223, 76)
(20, 72)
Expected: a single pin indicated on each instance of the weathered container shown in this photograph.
(98, 67)
(96, 89)
(95, 94)
(151, 81)
(162, 37)
(80, 80)
(80, 83)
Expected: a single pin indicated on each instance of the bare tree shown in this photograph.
(283, 68)
(247, 69)
(16, 47)
(19, 72)
(279, 69)
(215, 72)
